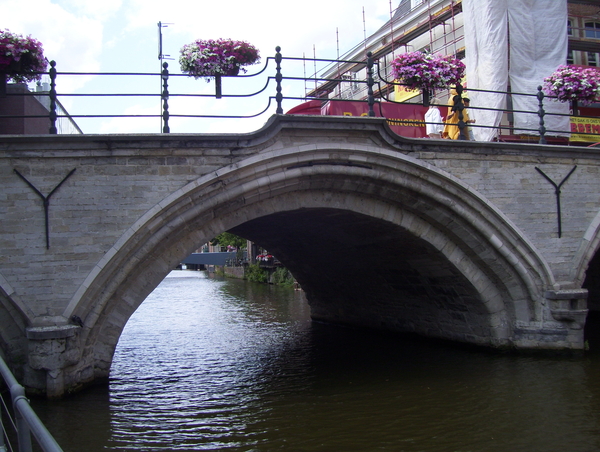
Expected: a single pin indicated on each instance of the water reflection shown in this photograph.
(206, 364)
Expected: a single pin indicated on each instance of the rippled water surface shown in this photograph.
(207, 364)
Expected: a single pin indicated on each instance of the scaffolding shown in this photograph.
(432, 25)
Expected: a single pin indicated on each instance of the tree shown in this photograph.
(227, 238)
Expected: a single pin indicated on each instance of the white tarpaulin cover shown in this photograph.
(486, 43)
(538, 45)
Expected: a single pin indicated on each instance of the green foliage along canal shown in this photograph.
(211, 364)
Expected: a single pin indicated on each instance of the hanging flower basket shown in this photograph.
(573, 83)
(21, 58)
(427, 72)
(210, 58)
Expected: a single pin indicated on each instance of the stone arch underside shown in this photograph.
(13, 322)
(587, 251)
(586, 273)
(15, 317)
(414, 249)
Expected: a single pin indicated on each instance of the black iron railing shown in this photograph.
(373, 87)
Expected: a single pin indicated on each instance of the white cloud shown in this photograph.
(97, 10)
(266, 23)
(122, 36)
(75, 42)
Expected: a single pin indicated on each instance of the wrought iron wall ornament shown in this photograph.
(557, 192)
(46, 199)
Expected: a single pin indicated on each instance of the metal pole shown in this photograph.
(218, 86)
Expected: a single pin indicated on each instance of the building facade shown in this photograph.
(437, 26)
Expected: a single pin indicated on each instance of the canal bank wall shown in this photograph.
(271, 275)
(234, 272)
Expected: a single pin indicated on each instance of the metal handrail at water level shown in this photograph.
(25, 420)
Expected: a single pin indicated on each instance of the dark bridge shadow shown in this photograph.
(364, 271)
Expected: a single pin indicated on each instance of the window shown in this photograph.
(569, 28)
(592, 59)
(592, 30)
(570, 57)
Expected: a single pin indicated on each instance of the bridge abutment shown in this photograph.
(570, 308)
(55, 360)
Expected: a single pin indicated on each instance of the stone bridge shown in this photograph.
(482, 243)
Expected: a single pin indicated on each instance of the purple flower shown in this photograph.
(22, 58)
(573, 83)
(420, 70)
(207, 58)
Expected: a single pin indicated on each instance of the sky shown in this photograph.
(122, 36)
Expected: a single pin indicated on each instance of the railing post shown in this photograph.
(218, 86)
(541, 113)
(52, 73)
(278, 79)
(370, 83)
(165, 98)
(459, 106)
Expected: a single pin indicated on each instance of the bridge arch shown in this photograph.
(586, 274)
(590, 244)
(15, 317)
(482, 278)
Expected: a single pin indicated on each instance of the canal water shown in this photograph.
(227, 365)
